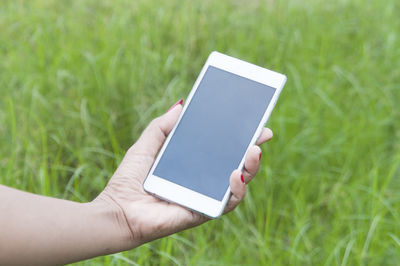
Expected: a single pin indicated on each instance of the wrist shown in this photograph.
(113, 223)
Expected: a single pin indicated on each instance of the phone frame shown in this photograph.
(188, 198)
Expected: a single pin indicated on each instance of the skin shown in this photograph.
(38, 230)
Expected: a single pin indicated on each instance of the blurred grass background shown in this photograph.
(79, 81)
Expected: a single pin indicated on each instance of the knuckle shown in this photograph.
(244, 194)
(154, 122)
(257, 148)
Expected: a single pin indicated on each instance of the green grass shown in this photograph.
(79, 81)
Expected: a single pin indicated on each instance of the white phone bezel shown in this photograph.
(193, 200)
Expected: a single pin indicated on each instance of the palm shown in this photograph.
(148, 217)
(156, 218)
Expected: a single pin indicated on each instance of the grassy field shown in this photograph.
(79, 81)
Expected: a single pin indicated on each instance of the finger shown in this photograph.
(238, 190)
(266, 135)
(251, 163)
(157, 131)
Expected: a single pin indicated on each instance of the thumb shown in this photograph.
(156, 132)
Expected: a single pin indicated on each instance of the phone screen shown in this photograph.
(214, 132)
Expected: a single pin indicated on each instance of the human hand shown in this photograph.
(145, 217)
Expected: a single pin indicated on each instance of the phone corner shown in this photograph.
(284, 79)
(217, 212)
(216, 215)
(145, 186)
(214, 53)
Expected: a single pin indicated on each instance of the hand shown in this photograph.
(147, 217)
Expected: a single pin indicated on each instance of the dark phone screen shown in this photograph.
(214, 133)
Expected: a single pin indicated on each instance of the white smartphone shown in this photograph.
(222, 118)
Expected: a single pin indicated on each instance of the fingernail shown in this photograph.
(241, 178)
(259, 156)
(175, 104)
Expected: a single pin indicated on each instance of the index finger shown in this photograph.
(266, 135)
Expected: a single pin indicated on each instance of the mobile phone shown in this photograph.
(222, 118)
